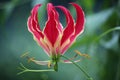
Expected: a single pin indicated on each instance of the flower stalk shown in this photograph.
(55, 60)
(87, 75)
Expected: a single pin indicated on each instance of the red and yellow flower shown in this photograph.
(55, 39)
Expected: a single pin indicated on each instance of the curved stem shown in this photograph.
(24, 69)
(89, 78)
(29, 70)
(105, 33)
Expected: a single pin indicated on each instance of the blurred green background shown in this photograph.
(101, 40)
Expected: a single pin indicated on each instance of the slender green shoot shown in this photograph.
(87, 75)
(105, 33)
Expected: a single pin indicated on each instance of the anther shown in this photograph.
(30, 59)
(49, 64)
(24, 54)
(84, 55)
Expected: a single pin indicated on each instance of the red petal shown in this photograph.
(59, 25)
(51, 30)
(31, 28)
(71, 41)
(34, 15)
(34, 28)
(69, 30)
(33, 25)
(79, 26)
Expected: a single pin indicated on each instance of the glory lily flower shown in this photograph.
(55, 39)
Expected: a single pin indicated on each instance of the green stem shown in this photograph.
(24, 69)
(29, 70)
(105, 33)
(89, 78)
